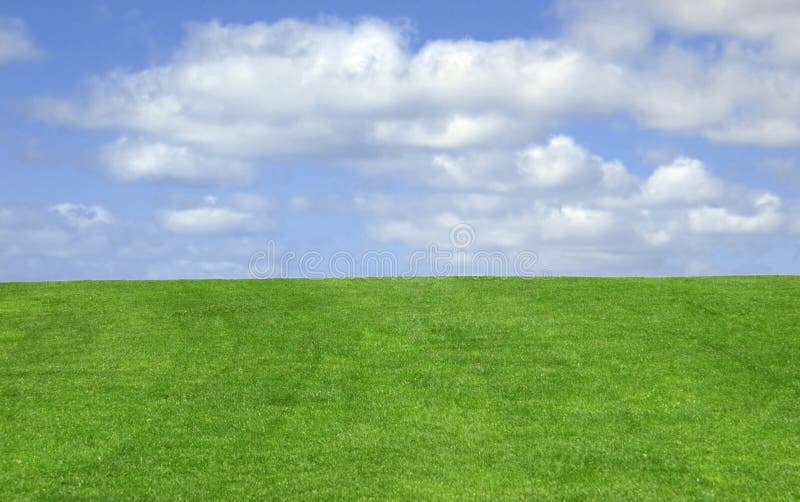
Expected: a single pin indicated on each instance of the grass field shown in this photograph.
(401, 388)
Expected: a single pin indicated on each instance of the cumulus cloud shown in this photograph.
(15, 43)
(355, 93)
(726, 70)
(680, 209)
(560, 164)
(563, 164)
(551, 167)
(470, 123)
(684, 181)
(338, 89)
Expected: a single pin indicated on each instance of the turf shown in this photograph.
(401, 388)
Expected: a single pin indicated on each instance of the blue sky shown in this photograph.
(181, 139)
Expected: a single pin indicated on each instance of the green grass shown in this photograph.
(401, 388)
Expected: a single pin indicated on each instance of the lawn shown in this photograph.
(401, 388)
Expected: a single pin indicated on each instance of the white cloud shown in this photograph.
(81, 216)
(549, 168)
(62, 231)
(573, 223)
(764, 132)
(15, 43)
(471, 122)
(684, 181)
(561, 164)
(205, 220)
(542, 224)
(717, 220)
(356, 93)
(444, 133)
(295, 88)
(134, 160)
(242, 213)
(348, 92)
(79, 241)
(720, 220)
(674, 215)
(629, 25)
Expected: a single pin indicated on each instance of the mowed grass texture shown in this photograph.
(401, 388)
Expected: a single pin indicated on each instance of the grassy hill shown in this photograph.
(402, 388)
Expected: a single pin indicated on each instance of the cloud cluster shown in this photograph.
(327, 89)
(587, 208)
(52, 243)
(726, 70)
(560, 164)
(77, 241)
(236, 93)
(470, 124)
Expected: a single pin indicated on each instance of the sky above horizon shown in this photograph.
(171, 139)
